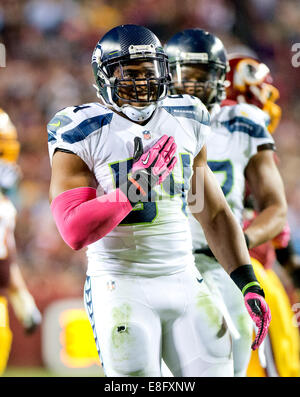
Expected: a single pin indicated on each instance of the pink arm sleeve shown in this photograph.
(83, 218)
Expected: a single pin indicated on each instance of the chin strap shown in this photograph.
(137, 114)
(132, 112)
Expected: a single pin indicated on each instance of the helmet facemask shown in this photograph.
(139, 81)
(204, 80)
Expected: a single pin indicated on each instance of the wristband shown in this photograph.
(244, 277)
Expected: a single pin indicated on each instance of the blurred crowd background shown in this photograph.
(48, 50)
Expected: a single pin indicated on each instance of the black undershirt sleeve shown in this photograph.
(266, 146)
(58, 149)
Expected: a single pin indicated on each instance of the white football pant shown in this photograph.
(138, 321)
(237, 316)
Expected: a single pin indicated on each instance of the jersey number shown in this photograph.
(147, 212)
(225, 167)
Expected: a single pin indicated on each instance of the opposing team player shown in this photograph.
(12, 285)
(239, 148)
(251, 82)
(116, 188)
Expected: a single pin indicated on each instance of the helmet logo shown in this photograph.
(250, 72)
(97, 55)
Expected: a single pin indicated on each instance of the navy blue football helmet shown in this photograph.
(198, 65)
(117, 61)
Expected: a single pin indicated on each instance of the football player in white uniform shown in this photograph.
(12, 283)
(239, 148)
(116, 188)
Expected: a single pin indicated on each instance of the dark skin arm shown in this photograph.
(69, 172)
(223, 233)
(268, 190)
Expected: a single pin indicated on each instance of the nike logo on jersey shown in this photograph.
(147, 159)
(55, 124)
(199, 280)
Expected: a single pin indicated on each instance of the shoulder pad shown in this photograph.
(75, 123)
(246, 111)
(186, 106)
(244, 118)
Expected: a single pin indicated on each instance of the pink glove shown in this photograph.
(158, 159)
(149, 169)
(260, 313)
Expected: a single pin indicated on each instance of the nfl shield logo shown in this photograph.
(111, 285)
(146, 135)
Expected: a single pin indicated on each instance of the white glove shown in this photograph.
(25, 309)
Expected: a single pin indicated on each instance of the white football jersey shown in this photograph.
(155, 237)
(237, 132)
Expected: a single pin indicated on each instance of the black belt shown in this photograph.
(205, 251)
